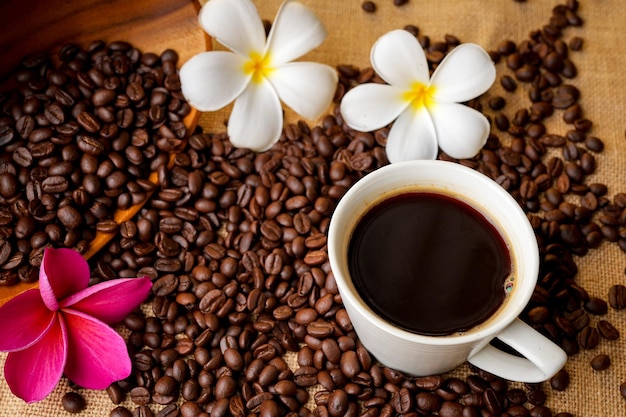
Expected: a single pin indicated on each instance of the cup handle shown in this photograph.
(542, 358)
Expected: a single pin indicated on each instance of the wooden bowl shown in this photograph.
(150, 25)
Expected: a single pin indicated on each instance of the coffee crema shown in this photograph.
(429, 263)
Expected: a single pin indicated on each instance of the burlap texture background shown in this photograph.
(486, 22)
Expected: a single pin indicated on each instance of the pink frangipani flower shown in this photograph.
(63, 328)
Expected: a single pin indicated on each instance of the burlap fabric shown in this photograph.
(486, 22)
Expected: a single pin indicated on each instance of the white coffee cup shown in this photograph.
(418, 354)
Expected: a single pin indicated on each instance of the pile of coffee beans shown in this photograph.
(78, 140)
(235, 243)
(242, 285)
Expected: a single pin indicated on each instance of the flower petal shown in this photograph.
(33, 373)
(307, 87)
(97, 355)
(235, 24)
(371, 106)
(399, 59)
(461, 130)
(465, 73)
(211, 80)
(110, 301)
(256, 121)
(24, 320)
(296, 31)
(63, 272)
(412, 136)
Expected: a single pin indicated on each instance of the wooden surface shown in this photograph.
(150, 25)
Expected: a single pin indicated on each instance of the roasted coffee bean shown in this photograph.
(320, 329)
(42, 150)
(536, 396)
(600, 362)
(283, 312)
(190, 390)
(233, 359)
(116, 393)
(269, 408)
(73, 402)
(23, 157)
(622, 389)
(349, 364)
(6, 134)
(258, 399)
(368, 6)
(579, 319)
(90, 145)
(596, 306)
(24, 126)
(594, 144)
(588, 337)
(450, 409)
(225, 387)
(165, 390)
(120, 411)
(305, 376)
(540, 411)
(143, 411)
(88, 121)
(607, 330)
(140, 396)
(69, 216)
(427, 401)
(8, 184)
(169, 411)
(560, 381)
(102, 97)
(338, 403)
(565, 96)
(617, 296)
(107, 226)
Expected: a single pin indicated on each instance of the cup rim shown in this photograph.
(516, 305)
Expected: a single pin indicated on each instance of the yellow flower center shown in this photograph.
(258, 66)
(420, 95)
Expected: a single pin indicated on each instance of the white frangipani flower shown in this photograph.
(258, 73)
(426, 110)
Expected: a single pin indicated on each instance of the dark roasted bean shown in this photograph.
(116, 393)
(140, 395)
(607, 330)
(596, 306)
(600, 362)
(560, 381)
(73, 402)
(120, 411)
(588, 337)
(305, 376)
(617, 296)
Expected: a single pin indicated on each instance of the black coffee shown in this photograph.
(429, 263)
